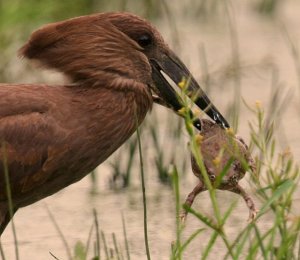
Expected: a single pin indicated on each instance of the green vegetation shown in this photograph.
(275, 183)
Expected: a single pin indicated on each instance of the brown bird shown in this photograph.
(53, 136)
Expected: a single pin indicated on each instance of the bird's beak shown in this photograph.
(171, 65)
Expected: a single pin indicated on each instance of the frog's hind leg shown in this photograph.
(190, 199)
(249, 202)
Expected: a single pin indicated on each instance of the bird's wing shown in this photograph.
(28, 134)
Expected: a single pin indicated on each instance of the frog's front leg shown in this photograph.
(250, 204)
(190, 199)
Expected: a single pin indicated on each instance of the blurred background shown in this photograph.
(243, 53)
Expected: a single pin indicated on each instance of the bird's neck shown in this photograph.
(109, 117)
(118, 91)
(116, 105)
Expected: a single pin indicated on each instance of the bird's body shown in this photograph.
(56, 135)
(52, 136)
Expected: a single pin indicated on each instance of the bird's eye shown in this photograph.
(144, 40)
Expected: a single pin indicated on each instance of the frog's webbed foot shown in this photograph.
(249, 202)
(190, 199)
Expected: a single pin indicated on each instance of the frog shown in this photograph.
(220, 148)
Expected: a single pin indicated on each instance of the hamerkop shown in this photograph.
(53, 136)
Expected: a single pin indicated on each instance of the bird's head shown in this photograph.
(112, 46)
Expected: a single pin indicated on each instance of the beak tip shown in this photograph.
(176, 70)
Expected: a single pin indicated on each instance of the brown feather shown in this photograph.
(80, 46)
(51, 146)
(54, 135)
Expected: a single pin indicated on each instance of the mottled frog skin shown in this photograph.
(220, 148)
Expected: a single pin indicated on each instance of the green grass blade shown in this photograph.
(116, 246)
(125, 237)
(205, 219)
(9, 198)
(210, 244)
(104, 245)
(260, 240)
(2, 251)
(98, 253)
(190, 239)
(281, 189)
(178, 207)
(144, 195)
(223, 172)
(88, 242)
(62, 237)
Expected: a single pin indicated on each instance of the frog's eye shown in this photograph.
(212, 177)
(234, 179)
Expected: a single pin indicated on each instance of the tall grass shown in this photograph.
(143, 192)
(275, 182)
(123, 165)
(104, 248)
(11, 209)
